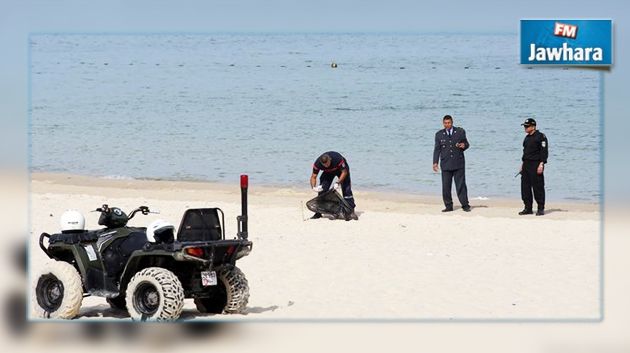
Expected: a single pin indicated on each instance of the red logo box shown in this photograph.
(565, 30)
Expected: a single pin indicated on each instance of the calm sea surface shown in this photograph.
(213, 106)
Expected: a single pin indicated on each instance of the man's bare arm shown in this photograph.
(342, 177)
(313, 180)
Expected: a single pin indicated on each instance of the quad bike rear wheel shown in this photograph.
(155, 294)
(230, 296)
(57, 291)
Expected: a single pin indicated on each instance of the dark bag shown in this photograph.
(331, 203)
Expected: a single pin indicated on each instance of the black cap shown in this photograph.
(529, 122)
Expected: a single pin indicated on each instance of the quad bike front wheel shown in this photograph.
(155, 294)
(57, 291)
(230, 296)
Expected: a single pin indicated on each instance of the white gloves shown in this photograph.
(319, 188)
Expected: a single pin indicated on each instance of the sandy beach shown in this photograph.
(403, 259)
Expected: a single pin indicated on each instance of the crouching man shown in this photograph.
(333, 164)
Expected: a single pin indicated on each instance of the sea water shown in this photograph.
(213, 106)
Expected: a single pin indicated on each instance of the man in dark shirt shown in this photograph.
(450, 144)
(535, 153)
(332, 164)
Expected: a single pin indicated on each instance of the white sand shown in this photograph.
(403, 259)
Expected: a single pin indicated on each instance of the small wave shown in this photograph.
(386, 107)
(575, 198)
(349, 109)
(117, 177)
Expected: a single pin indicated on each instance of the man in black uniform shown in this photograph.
(450, 144)
(535, 152)
(333, 164)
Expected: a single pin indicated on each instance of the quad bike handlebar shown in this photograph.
(142, 209)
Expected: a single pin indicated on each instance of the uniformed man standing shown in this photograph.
(332, 164)
(535, 153)
(450, 144)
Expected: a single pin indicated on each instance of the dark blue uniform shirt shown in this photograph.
(337, 163)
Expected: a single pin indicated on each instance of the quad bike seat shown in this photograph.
(74, 237)
(201, 224)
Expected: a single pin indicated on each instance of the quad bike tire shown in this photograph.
(118, 303)
(57, 291)
(155, 294)
(231, 296)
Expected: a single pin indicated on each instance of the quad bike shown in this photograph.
(148, 272)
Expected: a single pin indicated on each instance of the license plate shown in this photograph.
(208, 278)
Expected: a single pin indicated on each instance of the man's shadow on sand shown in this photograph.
(339, 218)
(554, 210)
(547, 211)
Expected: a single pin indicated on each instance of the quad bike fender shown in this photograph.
(75, 253)
(141, 259)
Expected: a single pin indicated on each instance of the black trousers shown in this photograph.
(460, 186)
(326, 179)
(530, 180)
